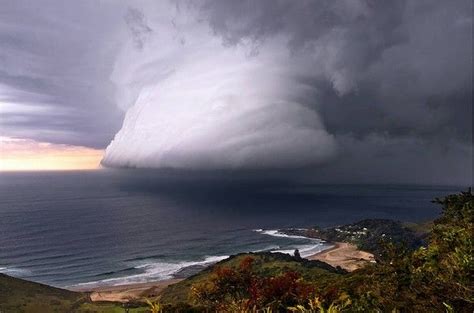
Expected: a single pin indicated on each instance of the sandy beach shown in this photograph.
(129, 292)
(345, 255)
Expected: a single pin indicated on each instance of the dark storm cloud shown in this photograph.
(302, 21)
(396, 78)
(55, 62)
(398, 67)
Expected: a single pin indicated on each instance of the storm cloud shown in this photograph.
(350, 90)
(197, 104)
(398, 67)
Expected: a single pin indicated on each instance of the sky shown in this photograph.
(333, 91)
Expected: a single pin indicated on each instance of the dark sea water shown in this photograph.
(113, 227)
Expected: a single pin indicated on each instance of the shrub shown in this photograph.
(242, 287)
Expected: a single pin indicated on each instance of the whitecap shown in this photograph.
(152, 271)
(314, 246)
(277, 233)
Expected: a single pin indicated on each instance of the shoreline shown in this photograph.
(344, 255)
(128, 292)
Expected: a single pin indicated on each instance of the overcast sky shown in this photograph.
(348, 90)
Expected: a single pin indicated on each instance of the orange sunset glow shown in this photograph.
(29, 155)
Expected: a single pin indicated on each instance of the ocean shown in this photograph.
(110, 227)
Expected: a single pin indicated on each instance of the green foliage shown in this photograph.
(429, 279)
(154, 306)
(315, 305)
(448, 261)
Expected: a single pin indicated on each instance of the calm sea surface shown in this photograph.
(114, 227)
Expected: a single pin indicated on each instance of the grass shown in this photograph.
(21, 296)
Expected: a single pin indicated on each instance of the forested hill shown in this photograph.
(369, 235)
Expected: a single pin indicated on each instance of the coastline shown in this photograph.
(345, 255)
(342, 254)
(128, 292)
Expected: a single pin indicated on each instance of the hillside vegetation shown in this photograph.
(264, 264)
(370, 234)
(21, 296)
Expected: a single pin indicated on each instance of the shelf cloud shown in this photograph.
(195, 103)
